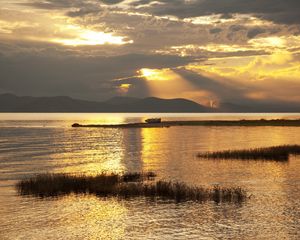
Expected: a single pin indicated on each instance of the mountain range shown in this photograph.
(12, 103)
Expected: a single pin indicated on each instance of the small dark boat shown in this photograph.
(153, 120)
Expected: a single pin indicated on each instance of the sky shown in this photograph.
(210, 51)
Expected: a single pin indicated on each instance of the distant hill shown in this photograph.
(13, 103)
(122, 100)
(153, 104)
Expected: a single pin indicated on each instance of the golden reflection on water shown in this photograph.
(132, 149)
(70, 217)
(91, 151)
(152, 142)
(170, 152)
(100, 219)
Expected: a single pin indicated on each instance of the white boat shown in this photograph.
(153, 120)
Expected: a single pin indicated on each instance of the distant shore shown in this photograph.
(246, 123)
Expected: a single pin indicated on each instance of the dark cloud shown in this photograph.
(274, 10)
(279, 11)
(67, 4)
(55, 4)
(254, 32)
(73, 8)
(112, 1)
(32, 63)
(215, 30)
(82, 77)
(236, 28)
(84, 11)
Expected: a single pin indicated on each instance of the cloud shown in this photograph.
(264, 78)
(55, 4)
(112, 1)
(82, 77)
(275, 10)
(278, 11)
(80, 12)
(255, 31)
(221, 91)
(149, 33)
(240, 49)
(215, 30)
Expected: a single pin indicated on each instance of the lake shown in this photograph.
(40, 143)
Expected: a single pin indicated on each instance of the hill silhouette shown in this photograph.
(13, 103)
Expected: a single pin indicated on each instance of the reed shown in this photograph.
(137, 176)
(277, 153)
(57, 184)
(106, 185)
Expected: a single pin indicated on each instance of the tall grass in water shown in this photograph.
(104, 185)
(57, 184)
(277, 153)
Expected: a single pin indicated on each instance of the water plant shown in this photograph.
(125, 186)
(276, 153)
(137, 176)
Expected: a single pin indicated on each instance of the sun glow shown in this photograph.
(88, 37)
(154, 74)
(167, 83)
(124, 88)
(269, 42)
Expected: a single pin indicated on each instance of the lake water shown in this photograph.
(39, 143)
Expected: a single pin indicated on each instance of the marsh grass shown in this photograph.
(277, 153)
(125, 186)
(59, 184)
(136, 176)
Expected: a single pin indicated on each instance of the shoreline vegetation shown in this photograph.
(276, 153)
(126, 186)
(225, 123)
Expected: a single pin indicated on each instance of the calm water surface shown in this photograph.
(39, 143)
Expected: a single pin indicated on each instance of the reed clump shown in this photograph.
(137, 176)
(114, 185)
(276, 153)
(59, 184)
